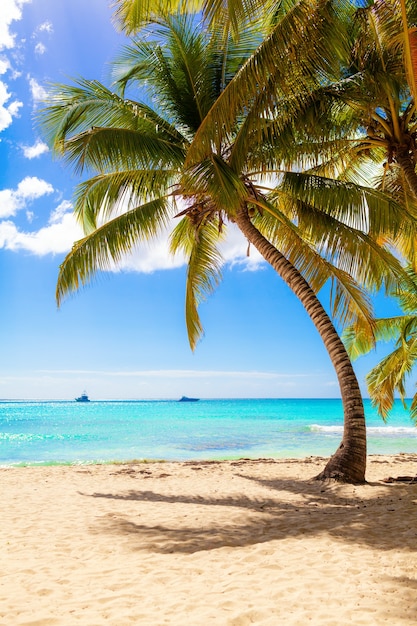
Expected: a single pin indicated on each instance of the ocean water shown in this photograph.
(104, 431)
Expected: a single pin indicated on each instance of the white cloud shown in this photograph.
(11, 11)
(31, 152)
(46, 27)
(14, 107)
(55, 238)
(38, 92)
(29, 189)
(4, 65)
(7, 113)
(153, 256)
(62, 230)
(32, 187)
(40, 48)
(235, 250)
(150, 257)
(60, 212)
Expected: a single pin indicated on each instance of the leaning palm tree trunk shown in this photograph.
(348, 464)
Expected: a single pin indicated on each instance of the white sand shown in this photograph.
(207, 544)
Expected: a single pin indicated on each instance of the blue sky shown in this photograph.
(124, 335)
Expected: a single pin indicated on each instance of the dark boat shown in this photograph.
(186, 399)
(83, 398)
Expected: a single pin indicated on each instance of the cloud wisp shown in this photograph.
(166, 373)
(11, 11)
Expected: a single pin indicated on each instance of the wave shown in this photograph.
(409, 431)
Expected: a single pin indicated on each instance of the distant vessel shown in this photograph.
(186, 399)
(83, 398)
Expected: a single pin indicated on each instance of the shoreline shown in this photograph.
(145, 461)
(150, 461)
(228, 543)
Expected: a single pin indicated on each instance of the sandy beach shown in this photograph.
(221, 543)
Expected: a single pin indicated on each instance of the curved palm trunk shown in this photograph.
(348, 464)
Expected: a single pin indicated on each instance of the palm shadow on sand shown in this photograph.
(319, 508)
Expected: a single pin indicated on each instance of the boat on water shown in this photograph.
(83, 398)
(187, 399)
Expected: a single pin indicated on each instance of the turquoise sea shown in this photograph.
(103, 431)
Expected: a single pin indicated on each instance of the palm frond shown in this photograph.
(236, 14)
(362, 208)
(185, 74)
(101, 197)
(105, 246)
(203, 270)
(359, 341)
(86, 105)
(115, 149)
(407, 298)
(410, 50)
(389, 376)
(413, 409)
(348, 300)
(132, 15)
(335, 218)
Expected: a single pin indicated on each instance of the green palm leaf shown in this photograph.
(100, 197)
(107, 149)
(132, 15)
(203, 268)
(106, 245)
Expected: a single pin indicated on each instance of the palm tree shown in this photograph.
(139, 155)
